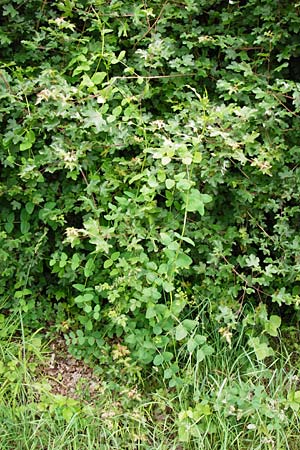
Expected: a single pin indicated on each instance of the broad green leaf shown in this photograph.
(98, 77)
(180, 332)
(91, 340)
(165, 238)
(170, 183)
(185, 239)
(79, 287)
(28, 140)
(168, 373)
(9, 226)
(81, 340)
(117, 111)
(184, 433)
(108, 263)
(87, 309)
(174, 246)
(252, 261)
(183, 261)
(29, 207)
(293, 400)
(165, 160)
(89, 267)
(272, 325)
(158, 360)
(187, 160)
(167, 356)
(75, 262)
(136, 177)
(189, 324)
(194, 342)
(195, 201)
(20, 294)
(89, 325)
(151, 311)
(261, 349)
(86, 81)
(168, 287)
(197, 157)
(204, 351)
(191, 345)
(200, 355)
(84, 298)
(184, 184)
(25, 227)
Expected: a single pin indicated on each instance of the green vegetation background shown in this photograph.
(149, 193)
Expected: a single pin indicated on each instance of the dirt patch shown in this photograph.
(68, 376)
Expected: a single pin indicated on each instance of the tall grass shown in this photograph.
(228, 401)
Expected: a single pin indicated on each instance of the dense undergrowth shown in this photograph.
(149, 192)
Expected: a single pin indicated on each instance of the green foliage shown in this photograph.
(219, 402)
(149, 165)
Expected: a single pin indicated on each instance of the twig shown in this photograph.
(285, 107)
(153, 25)
(87, 183)
(154, 77)
(5, 81)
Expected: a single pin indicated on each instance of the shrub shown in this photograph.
(149, 165)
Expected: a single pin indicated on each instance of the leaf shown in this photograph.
(9, 226)
(114, 256)
(197, 157)
(117, 111)
(184, 432)
(29, 207)
(95, 118)
(167, 286)
(75, 262)
(158, 360)
(272, 325)
(180, 332)
(261, 349)
(167, 356)
(195, 201)
(28, 141)
(165, 238)
(20, 294)
(189, 324)
(204, 351)
(170, 183)
(79, 287)
(252, 261)
(150, 312)
(86, 81)
(89, 325)
(183, 261)
(87, 309)
(136, 177)
(108, 263)
(68, 413)
(91, 340)
(187, 160)
(98, 77)
(165, 160)
(195, 341)
(191, 345)
(84, 298)
(25, 227)
(89, 267)
(200, 355)
(184, 184)
(185, 239)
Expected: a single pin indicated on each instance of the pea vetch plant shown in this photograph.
(149, 166)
